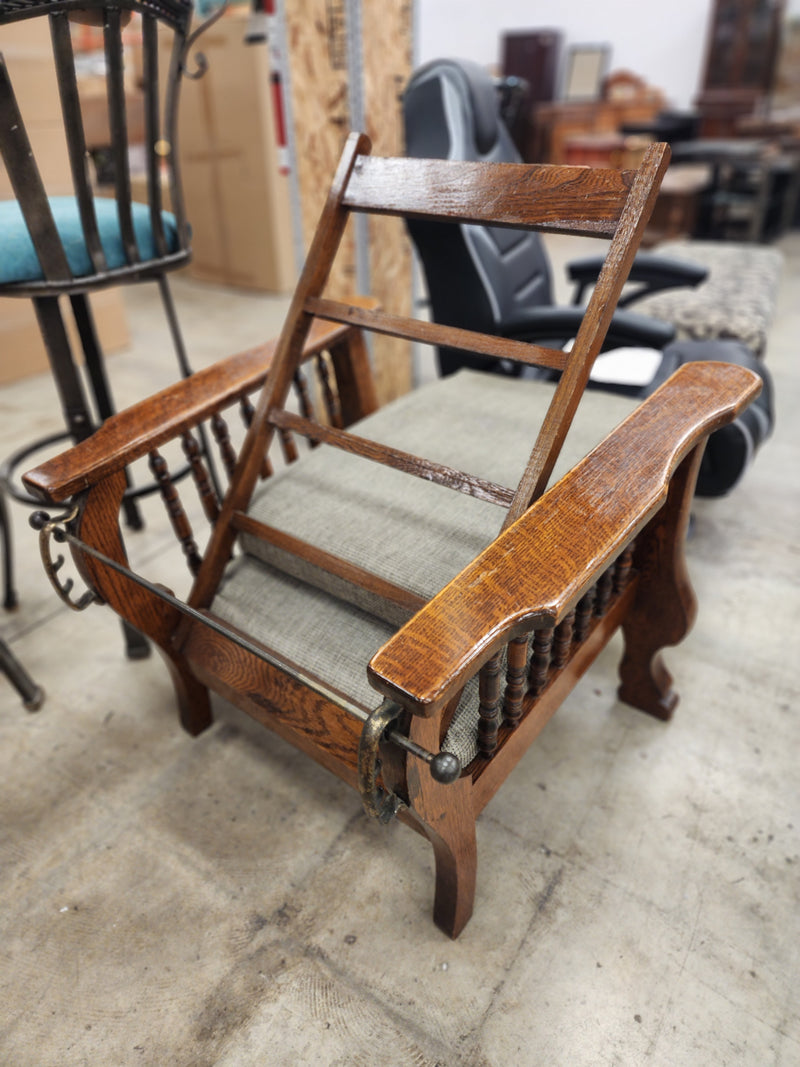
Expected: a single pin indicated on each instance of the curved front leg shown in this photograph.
(445, 815)
(665, 607)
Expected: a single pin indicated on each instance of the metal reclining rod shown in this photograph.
(444, 766)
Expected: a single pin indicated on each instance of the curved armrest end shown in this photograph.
(538, 569)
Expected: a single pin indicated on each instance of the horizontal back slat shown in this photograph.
(577, 200)
(420, 467)
(431, 333)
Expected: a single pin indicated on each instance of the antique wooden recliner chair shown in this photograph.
(381, 610)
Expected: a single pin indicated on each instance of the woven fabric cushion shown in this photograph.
(19, 262)
(736, 302)
(413, 533)
(408, 531)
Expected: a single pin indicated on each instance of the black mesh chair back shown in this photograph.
(481, 278)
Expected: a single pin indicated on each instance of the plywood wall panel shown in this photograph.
(318, 53)
(386, 52)
(318, 79)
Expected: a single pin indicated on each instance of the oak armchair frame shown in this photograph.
(601, 549)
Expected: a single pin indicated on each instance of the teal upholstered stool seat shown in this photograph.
(19, 262)
(412, 533)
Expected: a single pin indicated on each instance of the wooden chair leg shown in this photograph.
(665, 606)
(444, 814)
(194, 702)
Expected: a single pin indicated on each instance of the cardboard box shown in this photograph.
(28, 56)
(237, 201)
(22, 351)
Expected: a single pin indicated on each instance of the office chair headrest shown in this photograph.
(476, 88)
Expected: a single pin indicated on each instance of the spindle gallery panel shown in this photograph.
(324, 54)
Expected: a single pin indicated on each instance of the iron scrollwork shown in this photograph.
(57, 529)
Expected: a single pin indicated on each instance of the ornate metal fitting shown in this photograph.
(378, 803)
(201, 63)
(57, 529)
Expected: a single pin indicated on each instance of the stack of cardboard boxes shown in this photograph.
(237, 198)
(27, 51)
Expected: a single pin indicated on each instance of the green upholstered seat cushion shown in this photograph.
(408, 531)
(19, 263)
(413, 533)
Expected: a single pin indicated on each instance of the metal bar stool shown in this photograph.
(56, 246)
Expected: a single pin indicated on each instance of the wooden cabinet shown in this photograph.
(533, 56)
(741, 54)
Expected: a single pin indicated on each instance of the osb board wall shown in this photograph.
(316, 34)
(387, 41)
(317, 57)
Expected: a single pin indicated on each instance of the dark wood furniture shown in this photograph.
(741, 54)
(557, 123)
(534, 57)
(521, 619)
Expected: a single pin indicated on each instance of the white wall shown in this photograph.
(664, 43)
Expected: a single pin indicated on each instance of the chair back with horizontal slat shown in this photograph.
(100, 235)
(577, 200)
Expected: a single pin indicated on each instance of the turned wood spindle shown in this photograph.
(540, 659)
(515, 680)
(290, 453)
(177, 516)
(248, 414)
(563, 639)
(622, 571)
(223, 438)
(604, 589)
(208, 498)
(489, 706)
(331, 400)
(247, 410)
(583, 614)
(301, 388)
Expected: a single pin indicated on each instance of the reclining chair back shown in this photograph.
(514, 196)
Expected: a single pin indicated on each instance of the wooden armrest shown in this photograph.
(538, 569)
(134, 432)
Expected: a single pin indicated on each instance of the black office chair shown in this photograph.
(69, 246)
(498, 280)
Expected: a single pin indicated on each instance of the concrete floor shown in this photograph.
(224, 901)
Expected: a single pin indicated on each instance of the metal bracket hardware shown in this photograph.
(201, 63)
(379, 803)
(56, 528)
(444, 766)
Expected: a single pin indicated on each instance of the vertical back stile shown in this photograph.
(115, 75)
(154, 141)
(64, 58)
(170, 137)
(594, 326)
(287, 358)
